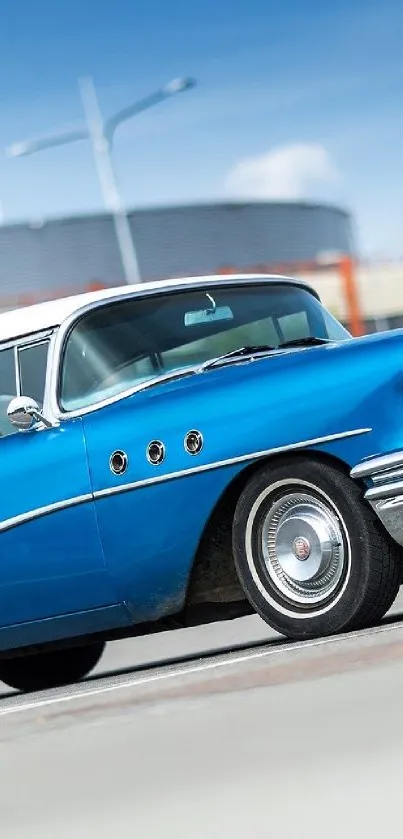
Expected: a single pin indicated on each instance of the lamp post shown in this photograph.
(101, 134)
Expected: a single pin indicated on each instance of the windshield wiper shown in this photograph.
(261, 349)
(252, 350)
(310, 341)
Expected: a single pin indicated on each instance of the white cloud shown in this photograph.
(295, 171)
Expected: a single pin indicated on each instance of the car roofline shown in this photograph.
(74, 306)
(192, 283)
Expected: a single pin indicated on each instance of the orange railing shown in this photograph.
(345, 267)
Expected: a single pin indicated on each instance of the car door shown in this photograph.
(51, 557)
(149, 524)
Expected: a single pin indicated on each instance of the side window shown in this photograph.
(8, 389)
(32, 362)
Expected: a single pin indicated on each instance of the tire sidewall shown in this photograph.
(333, 487)
(50, 669)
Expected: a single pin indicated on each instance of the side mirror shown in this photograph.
(23, 412)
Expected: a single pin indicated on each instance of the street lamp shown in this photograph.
(101, 134)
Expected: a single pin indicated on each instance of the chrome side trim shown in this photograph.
(386, 493)
(385, 473)
(220, 464)
(38, 512)
(390, 475)
(389, 490)
(375, 465)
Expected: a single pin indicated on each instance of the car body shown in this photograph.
(168, 460)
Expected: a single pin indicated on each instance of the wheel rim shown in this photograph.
(303, 548)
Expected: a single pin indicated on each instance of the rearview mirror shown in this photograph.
(208, 316)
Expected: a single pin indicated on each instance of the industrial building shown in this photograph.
(42, 259)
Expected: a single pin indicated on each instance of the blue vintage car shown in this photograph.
(183, 452)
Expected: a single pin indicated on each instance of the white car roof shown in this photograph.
(43, 316)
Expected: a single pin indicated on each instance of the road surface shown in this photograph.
(297, 741)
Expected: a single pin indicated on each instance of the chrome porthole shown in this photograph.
(118, 462)
(193, 442)
(155, 452)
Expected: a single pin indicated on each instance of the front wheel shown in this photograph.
(312, 558)
(50, 669)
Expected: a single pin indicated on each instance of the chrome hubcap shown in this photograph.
(303, 547)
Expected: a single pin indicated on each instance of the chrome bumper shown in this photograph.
(386, 493)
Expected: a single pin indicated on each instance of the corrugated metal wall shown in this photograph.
(67, 254)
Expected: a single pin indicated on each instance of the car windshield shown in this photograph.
(124, 344)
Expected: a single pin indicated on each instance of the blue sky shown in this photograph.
(294, 99)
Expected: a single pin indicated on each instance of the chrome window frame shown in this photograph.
(19, 348)
(53, 408)
(23, 342)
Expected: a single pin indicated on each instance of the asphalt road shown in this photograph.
(296, 741)
(138, 652)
